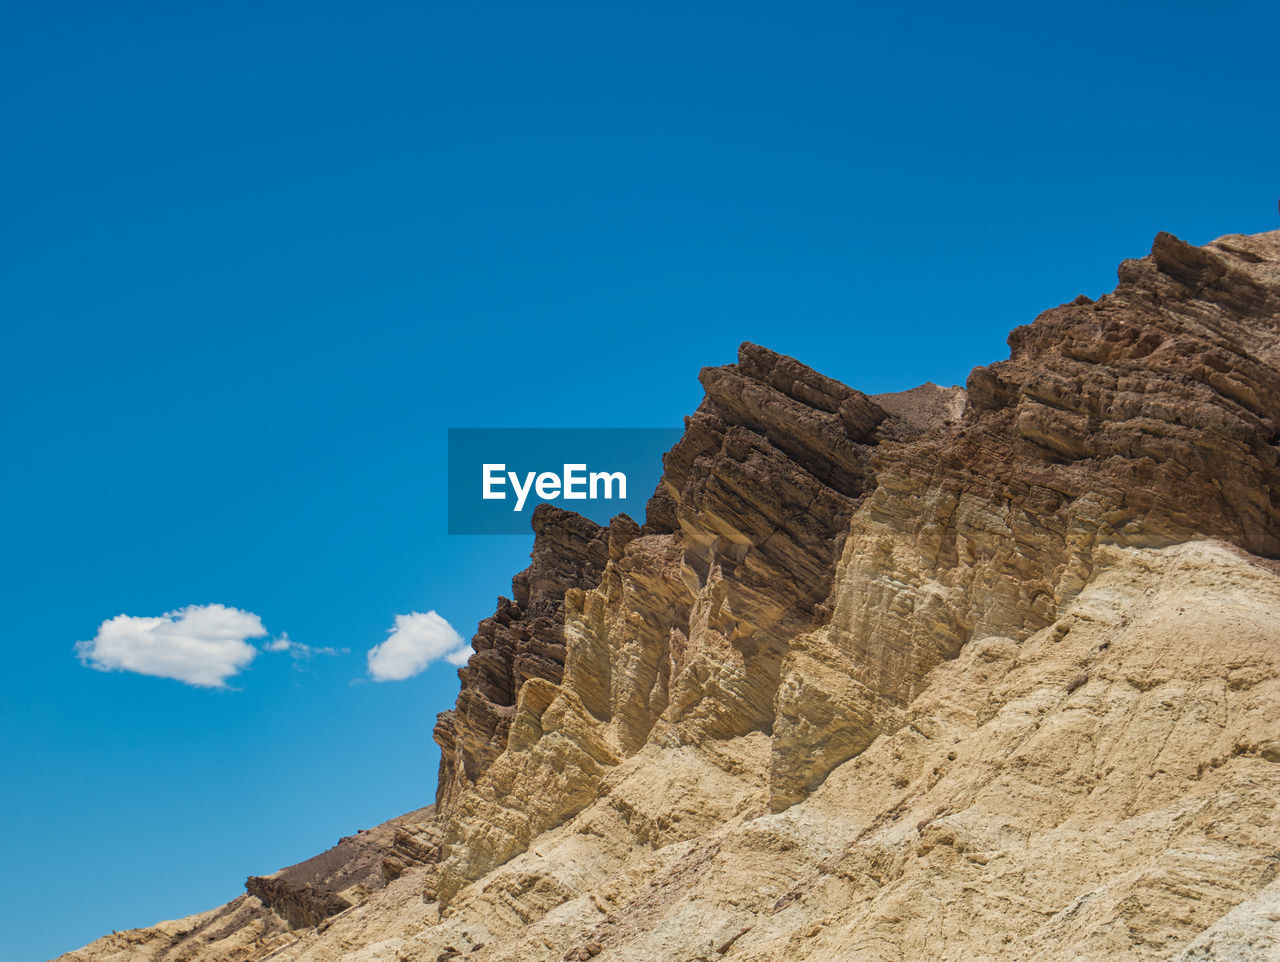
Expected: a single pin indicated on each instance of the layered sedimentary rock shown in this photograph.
(1146, 418)
(523, 639)
(939, 674)
(683, 634)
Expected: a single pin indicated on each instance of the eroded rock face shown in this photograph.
(523, 639)
(1147, 418)
(872, 662)
(1018, 813)
(811, 554)
(682, 635)
(1161, 400)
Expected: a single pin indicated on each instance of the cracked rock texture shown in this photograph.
(942, 674)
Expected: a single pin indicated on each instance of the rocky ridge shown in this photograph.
(894, 676)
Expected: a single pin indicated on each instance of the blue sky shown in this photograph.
(258, 258)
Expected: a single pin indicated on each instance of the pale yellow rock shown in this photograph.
(1101, 789)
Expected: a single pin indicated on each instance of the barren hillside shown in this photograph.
(982, 673)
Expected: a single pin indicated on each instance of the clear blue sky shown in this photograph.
(256, 258)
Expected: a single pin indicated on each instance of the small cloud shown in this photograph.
(280, 644)
(328, 650)
(414, 643)
(201, 645)
(297, 650)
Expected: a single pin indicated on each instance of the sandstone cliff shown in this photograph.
(945, 674)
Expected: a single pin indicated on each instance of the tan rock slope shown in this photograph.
(934, 675)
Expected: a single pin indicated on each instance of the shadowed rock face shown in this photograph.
(523, 639)
(831, 598)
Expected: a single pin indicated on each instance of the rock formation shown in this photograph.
(524, 639)
(943, 674)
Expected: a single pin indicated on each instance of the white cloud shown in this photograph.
(281, 644)
(415, 642)
(297, 650)
(201, 645)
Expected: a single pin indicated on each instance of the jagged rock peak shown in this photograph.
(1162, 398)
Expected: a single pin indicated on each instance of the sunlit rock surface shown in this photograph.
(941, 674)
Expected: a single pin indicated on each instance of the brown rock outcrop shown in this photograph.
(277, 908)
(300, 905)
(1146, 418)
(308, 893)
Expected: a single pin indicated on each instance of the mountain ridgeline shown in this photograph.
(982, 672)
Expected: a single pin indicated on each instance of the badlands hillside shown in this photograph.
(950, 674)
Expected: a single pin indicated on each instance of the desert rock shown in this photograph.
(943, 674)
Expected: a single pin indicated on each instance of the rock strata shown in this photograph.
(948, 673)
(523, 639)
